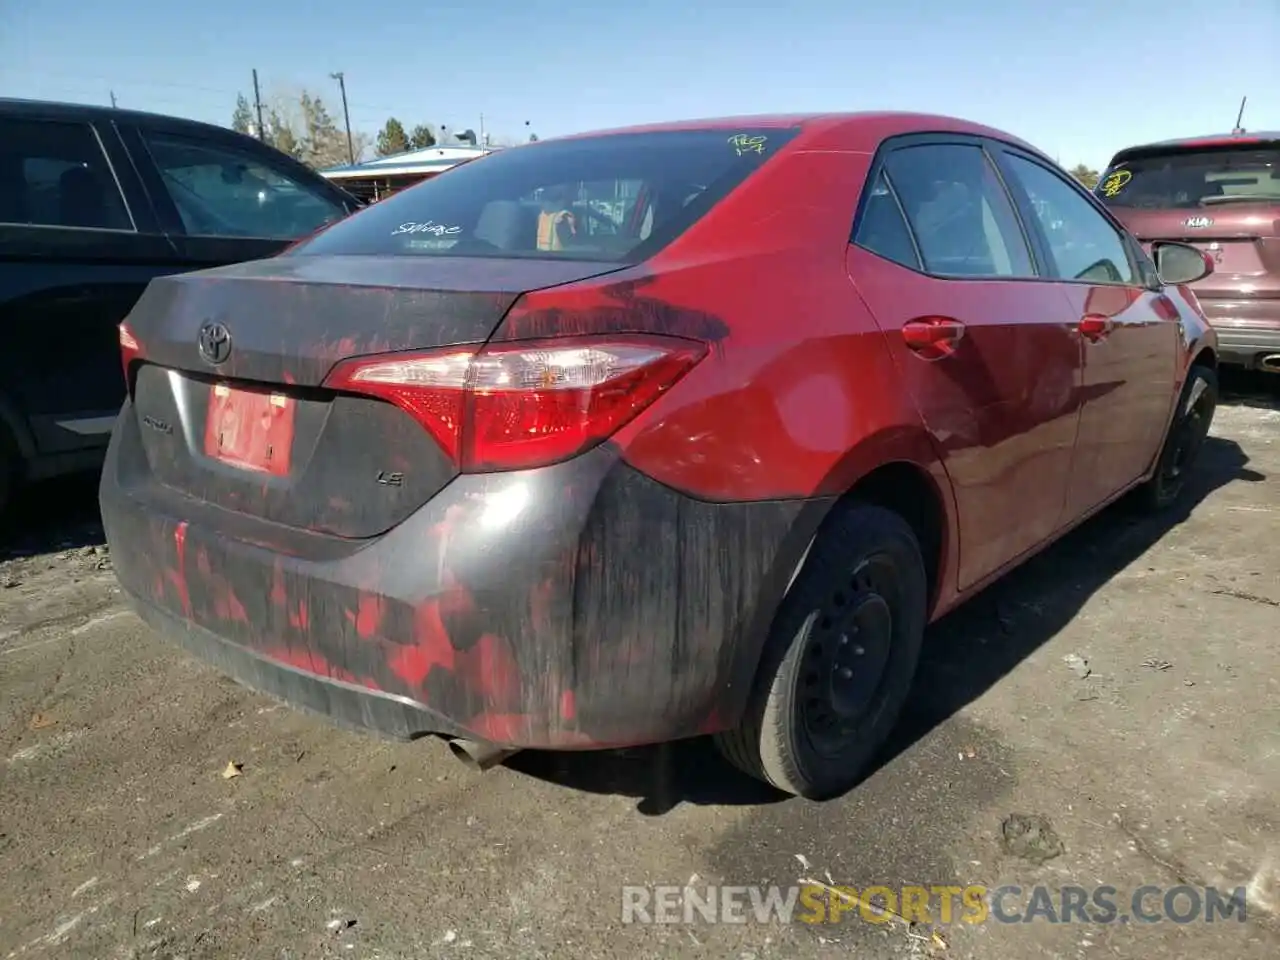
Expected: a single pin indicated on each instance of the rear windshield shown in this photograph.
(1188, 180)
(616, 198)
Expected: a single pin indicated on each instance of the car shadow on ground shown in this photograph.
(52, 516)
(1251, 388)
(965, 654)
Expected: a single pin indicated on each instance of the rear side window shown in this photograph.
(223, 192)
(962, 218)
(1083, 244)
(616, 197)
(55, 174)
(882, 229)
(1191, 180)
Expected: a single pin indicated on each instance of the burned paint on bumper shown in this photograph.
(574, 606)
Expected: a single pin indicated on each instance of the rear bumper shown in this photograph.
(575, 606)
(345, 704)
(1248, 330)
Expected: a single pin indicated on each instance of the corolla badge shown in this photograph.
(1198, 222)
(215, 343)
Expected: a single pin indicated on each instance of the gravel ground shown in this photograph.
(1124, 686)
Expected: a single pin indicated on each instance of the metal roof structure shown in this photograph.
(429, 160)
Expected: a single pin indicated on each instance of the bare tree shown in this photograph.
(324, 145)
(298, 123)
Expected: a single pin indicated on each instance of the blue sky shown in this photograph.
(1078, 79)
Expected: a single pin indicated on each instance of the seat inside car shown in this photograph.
(81, 200)
(13, 192)
(507, 224)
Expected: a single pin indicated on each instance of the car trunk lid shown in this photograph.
(1241, 238)
(1218, 193)
(256, 432)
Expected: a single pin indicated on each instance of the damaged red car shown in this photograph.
(628, 437)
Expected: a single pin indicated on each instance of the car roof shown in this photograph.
(1210, 141)
(861, 130)
(54, 109)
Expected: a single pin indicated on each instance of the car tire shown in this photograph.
(1182, 444)
(839, 659)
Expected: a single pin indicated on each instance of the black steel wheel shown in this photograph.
(1187, 433)
(839, 660)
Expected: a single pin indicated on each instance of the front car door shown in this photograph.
(1128, 327)
(225, 200)
(78, 245)
(986, 350)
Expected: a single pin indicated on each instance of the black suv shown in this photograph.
(94, 203)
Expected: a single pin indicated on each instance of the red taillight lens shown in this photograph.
(130, 349)
(524, 404)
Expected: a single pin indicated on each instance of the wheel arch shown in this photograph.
(1204, 356)
(913, 493)
(896, 470)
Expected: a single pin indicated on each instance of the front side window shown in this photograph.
(615, 197)
(1083, 244)
(223, 192)
(1183, 179)
(963, 221)
(55, 174)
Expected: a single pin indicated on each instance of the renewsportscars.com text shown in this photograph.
(936, 904)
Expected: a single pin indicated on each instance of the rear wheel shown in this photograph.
(839, 660)
(1182, 445)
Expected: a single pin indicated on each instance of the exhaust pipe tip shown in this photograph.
(479, 756)
(1270, 362)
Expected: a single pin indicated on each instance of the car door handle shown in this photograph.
(1095, 327)
(933, 337)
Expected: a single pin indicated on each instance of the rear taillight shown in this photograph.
(130, 349)
(523, 404)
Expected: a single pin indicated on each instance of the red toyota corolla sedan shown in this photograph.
(634, 436)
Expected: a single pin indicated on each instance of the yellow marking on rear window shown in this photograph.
(1116, 182)
(744, 143)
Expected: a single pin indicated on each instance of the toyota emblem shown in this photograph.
(215, 343)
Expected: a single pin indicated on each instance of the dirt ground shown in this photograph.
(1125, 686)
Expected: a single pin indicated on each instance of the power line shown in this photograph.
(176, 97)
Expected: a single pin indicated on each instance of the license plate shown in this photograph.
(250, 429)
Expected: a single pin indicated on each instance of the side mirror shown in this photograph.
(1179, 263)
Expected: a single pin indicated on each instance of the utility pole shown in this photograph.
(483, 142)
(257, 103)
(113, 98)
(346, 117)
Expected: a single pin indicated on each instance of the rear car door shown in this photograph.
(985, 349)
(78, 245)
(230, 200)
(1128, 327)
